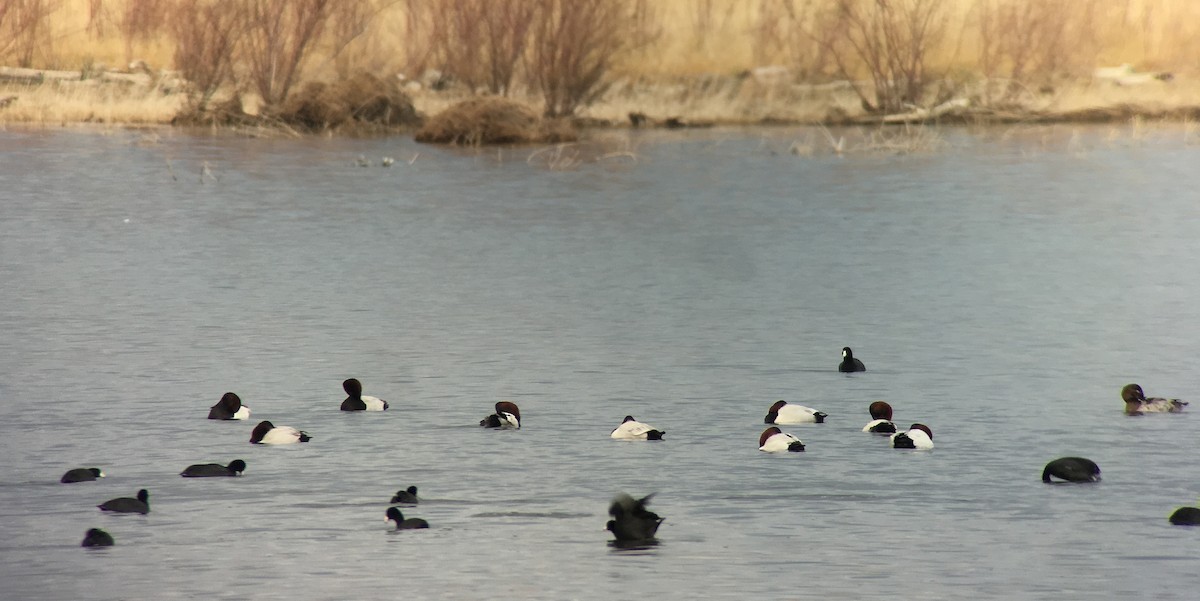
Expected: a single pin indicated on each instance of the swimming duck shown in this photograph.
(918, 436)
(783, 413)
(208, 470)
(394, 515)
(849, 363)
(1136, 402)
(881, 419)
(267, 433)
(507, 415)
(81, 474)
(631, 520)
(407, 496)
(96, 537)
(1072, 469)
(229, 407)
(127, 505)
(774, 440)
(632, 429)
(357, 401)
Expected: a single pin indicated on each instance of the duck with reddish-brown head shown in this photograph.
(774, 440)
(507, 415)
(881, 419)
(918, 436)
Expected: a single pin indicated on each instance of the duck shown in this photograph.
(1136, 402)
(631, 520)
(507, 415)
(394, 515)
(918, 436)
(881, 419)
(849, 363)
(1072, 469)
(127, 505)
(229, 407)
(96, 537)
(81, 474)
(783, 413)
(267, 433)
(774, 440)
(407, 496)
(357, 401)
(632, 429)
(207, 470)
(1186, 516)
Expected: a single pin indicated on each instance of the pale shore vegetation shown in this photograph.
(673, 63)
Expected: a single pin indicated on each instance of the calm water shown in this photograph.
(1001, 289)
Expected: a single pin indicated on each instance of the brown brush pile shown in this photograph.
(359, 103)
(493, 120)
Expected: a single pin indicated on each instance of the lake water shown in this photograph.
(1000, 287)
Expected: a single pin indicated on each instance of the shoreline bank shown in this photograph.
(61, 98)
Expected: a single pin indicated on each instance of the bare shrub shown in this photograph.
(889, 39)
(205, 34)
(1026, 41)
(492, 120)
(23, 28)
(480, 42)
(279, 37)
(140, 21)
(574, 44)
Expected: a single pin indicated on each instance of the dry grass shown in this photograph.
(492, 120)
(87, 102)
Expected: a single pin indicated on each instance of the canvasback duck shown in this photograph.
(81, 474)
(407, 496)
(631, 520)
(1186, 516)
(849, 363)
(229, 407)
(267, 433)
(96, 537)
(632, 429)
(783, 413)
(394, 515)
(1136, 402)
(507, 415)
(127, 505)
(357, 401)
(918, 436)
(774, 440)
(1072, 469)
(209, 470)
(881, 419)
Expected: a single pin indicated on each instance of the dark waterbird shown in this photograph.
(97, 538)
(208, 470)
(407, 496)
(1072, 469)
(394, 515)
(1186, 516)
(631, 520)
(356, 401)
(127, 505)
(81, 474)
(229, 407)
(849, 363)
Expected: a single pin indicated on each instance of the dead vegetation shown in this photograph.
(493, 120)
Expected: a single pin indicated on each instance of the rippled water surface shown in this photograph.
(1000, 288)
